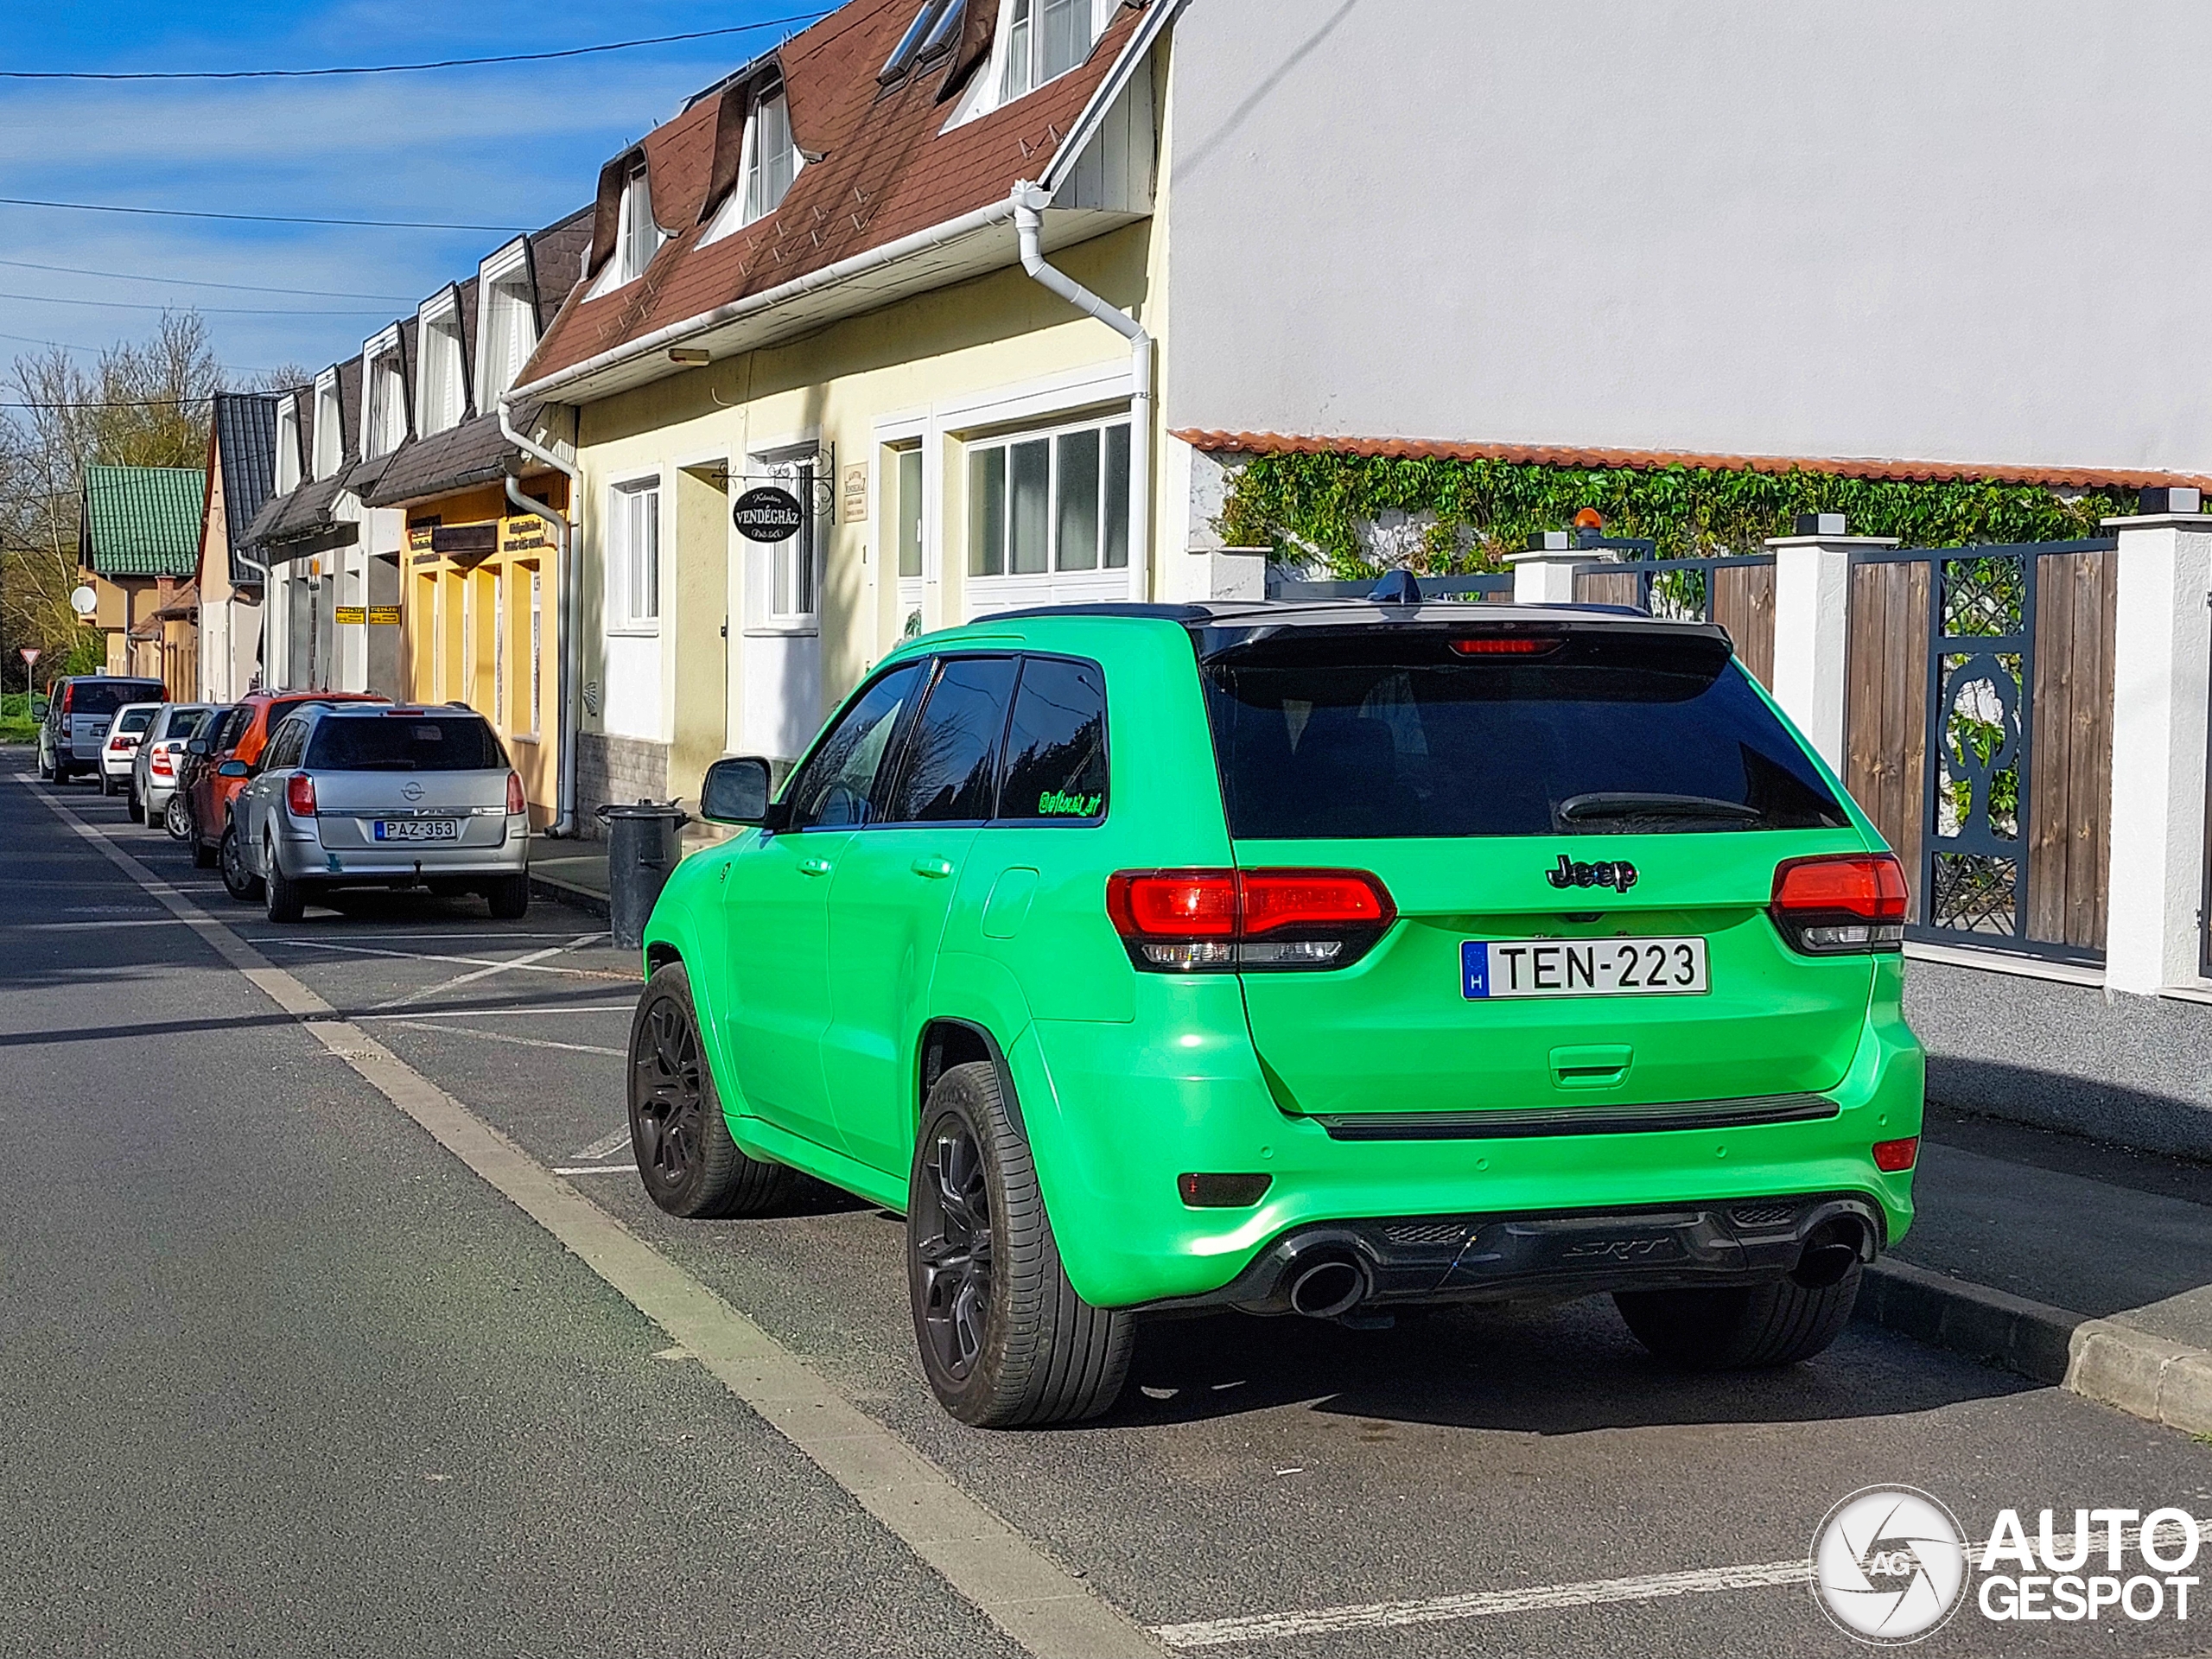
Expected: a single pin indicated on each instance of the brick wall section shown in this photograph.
(622, 770)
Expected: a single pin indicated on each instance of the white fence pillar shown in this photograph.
(1545, 575)
(2161, 680)
(1812, 631)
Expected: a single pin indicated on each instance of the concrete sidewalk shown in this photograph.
(2067, 1260)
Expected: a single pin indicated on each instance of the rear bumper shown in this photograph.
(1428, 1259)
(1116, 1116)
(304, 858)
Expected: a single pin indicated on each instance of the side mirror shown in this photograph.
(38, 707)
(736, 791)
(197, 746)
(234, 769)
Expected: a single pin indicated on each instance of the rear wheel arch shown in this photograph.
(949, 1042)
(660, 953)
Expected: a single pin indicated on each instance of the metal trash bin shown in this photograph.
(644, 843)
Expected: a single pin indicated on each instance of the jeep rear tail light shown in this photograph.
(1895, 1157)
(516, 803)
(299, 795)
(1847, 905)
(1199, 921)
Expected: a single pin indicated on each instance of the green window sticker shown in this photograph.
(1054, 804)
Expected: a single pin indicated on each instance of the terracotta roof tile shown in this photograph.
(1546, 454)
(886, 171)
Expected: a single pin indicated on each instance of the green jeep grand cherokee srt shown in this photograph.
(1324, 958)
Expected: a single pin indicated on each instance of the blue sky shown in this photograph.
(507, 144)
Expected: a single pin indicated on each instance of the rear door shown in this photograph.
(892, 892)
(1580, 836)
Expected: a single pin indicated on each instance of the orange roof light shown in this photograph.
(1589, 519)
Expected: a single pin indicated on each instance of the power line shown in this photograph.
(255, 219)
(202, 282)
(404, 68)
(206, 310)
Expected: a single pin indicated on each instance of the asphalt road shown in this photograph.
(279, 1373)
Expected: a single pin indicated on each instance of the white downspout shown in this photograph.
(564, 805)
(1029, 201)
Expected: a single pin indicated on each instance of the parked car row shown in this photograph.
(294, 794)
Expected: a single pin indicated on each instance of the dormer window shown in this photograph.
(384, 410)
(636, 236)
(506, 321)
(1037, 42)
(441, 396)
(330, 432)
(771, 160)
(288, 444)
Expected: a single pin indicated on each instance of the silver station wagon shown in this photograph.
(352, 795)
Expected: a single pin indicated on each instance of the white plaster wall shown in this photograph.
(1961, 230)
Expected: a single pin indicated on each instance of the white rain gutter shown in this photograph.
(564, 798)
(1029, 201)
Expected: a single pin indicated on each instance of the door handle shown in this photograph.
(814, 867)
(935, 869)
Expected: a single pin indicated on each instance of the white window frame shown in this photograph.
(441, 379)
(622, 553)
(329, 426)
(739, 207)
(503, 281)
(288, 443)
(989, 90)
(636, 196)
(384, 391)
(1052, 584)
(798, 465)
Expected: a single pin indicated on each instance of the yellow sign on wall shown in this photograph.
(524, 532)
(351, 614)
(384, 616)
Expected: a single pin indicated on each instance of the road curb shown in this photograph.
(560, 893)
(2114, 1364)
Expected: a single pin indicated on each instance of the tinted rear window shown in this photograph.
(137, 720)
(1361, 736)
(1055, 746)
(951, 771)
(105, 696)
(406, 743)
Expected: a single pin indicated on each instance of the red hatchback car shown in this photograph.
(240, 734)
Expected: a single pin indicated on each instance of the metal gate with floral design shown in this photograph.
(1979, 718)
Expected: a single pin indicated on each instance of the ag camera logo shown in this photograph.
(1889, 1564)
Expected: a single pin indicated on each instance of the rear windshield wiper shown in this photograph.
(1612, 806)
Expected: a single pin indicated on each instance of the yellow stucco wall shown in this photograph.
(972, 346)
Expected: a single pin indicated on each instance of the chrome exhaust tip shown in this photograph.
(1323, 1288)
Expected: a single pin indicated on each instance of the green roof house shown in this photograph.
(138, 537)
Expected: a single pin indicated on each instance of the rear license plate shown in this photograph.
(418, 830)
(1643, 967)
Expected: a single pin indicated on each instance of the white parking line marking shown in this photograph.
(598, 1169)
(502, 1014)
(525, 960)
(497, 1036)
(604, 1147)
(1014, 1584)
(81, 927)
(1390, 1614)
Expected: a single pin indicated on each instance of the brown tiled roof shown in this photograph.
(886, 171)
(1549, 454)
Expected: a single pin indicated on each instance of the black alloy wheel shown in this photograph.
(669, 1095)
(686, 1158)
(953, 1248)
(238, 881)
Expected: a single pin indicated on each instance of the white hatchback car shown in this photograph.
(120, 747)
(160, 761)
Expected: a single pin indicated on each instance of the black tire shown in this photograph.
(509, 898)
(689, 1164)
(1748, 1328)
(288, 899)
(107, 783)
(1005, 1340)
(239, 882)
(133, 808)
(176, 817)
(204, 857)
(45, 768)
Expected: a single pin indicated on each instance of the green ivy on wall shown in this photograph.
(1304, 505)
